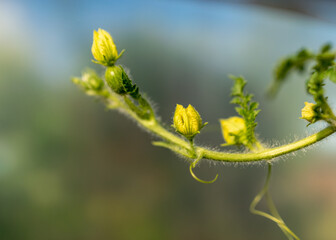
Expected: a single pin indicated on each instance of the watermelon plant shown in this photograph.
(118, 92)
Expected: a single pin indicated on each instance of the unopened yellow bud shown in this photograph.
(187, 121)
(308, 112)
(103, 48)
(232, 128)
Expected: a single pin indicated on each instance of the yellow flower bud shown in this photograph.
(308, 112)
(231, 128)
(103, 48)
(187, 121)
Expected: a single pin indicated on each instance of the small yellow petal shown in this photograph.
(232, 126)
(308, 112)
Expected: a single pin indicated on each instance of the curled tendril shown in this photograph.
(193, 165)
(274, 214)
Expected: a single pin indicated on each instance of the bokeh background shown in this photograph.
(69, 169)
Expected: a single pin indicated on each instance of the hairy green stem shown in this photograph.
(156, 128)
(271, 152)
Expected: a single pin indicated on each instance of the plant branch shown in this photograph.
(154, 126)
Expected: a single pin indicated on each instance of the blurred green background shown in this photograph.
(69, 169)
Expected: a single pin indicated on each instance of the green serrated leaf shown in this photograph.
(254, 105)
(256, 112)
(247, 110)
(238, 86)
(236, 100)
(239, 110)
(297, 62)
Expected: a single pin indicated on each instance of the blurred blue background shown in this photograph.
(71, 170)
